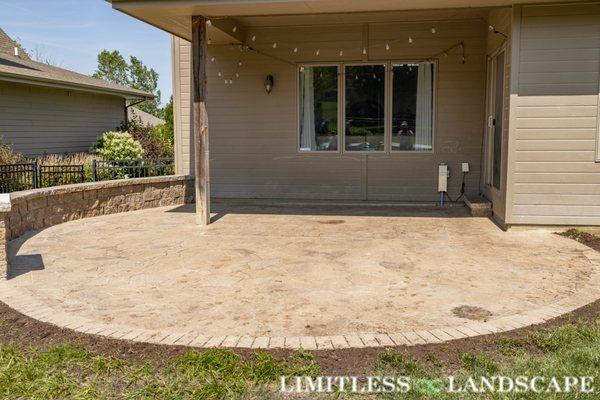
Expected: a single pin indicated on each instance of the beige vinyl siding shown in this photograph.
(254, 136)
(39, 120)
(554, 176)
(182, 105)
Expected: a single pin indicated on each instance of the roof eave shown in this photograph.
(129, 95)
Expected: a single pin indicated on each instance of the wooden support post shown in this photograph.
(201, 153)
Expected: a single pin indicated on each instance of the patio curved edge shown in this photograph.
(32, 308)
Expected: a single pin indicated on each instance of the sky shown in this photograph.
(72, 32)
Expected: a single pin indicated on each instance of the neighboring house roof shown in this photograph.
(7, 46)
(23, 69)
(144, 117)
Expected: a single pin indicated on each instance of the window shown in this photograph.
(364, 114)
(386, 107)
(319, 108)
(412, 107)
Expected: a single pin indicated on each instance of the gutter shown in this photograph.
(71, 86)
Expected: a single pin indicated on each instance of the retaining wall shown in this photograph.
(41, 208)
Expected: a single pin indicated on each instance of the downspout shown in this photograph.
(131, 105)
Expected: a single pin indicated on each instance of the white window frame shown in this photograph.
(299, 100)
(433, 111)
(341, 131)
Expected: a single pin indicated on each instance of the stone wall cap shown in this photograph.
(5, 204)
(79, 187)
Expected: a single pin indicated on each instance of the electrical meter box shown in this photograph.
(442, 178)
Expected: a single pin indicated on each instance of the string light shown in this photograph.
(341, 53)
(433, 30)
(410, 39)
(275, 45)
(220, 74)
(317, 52)
(231, 81)
(254, 38)
(387, 46)
(234, 29)
(239, 63)
(365, 51)
(208, 22)
(209, 41)
(212, 59)
(237, 74)
(295, 49)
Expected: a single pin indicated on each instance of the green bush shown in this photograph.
(118, 146)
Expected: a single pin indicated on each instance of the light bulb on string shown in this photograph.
(234, 29)
(226, 81)
(231, 81)
(387, 46)
(301, 69)
(341, 53)
(209, 41)
(208, 22)
(237, 74)
(317, 52)
(212, 59)
(239, 63)
(410, 39)
(295, 49)
(254, 38)
(433, 30)
(275, 45)
(364, 51)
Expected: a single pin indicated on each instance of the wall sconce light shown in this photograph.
(269, 82)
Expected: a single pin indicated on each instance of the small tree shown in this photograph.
(113, 67)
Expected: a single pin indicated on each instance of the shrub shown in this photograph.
(157, 142)
(118, 146)
(8, 155)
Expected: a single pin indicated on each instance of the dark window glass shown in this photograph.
(365, 108)
(412, 107)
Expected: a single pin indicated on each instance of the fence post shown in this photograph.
(94, 172)
(35, 175)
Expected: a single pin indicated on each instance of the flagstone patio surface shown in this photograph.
(312, 276)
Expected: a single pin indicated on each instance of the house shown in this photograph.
(372, 100)
(144, 117)
(45, 109)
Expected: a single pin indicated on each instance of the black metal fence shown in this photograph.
(16, 177)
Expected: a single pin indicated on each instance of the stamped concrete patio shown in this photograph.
(312, 276)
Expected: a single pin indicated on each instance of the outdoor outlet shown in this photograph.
(465, 167)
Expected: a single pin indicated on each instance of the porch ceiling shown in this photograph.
(174, 16)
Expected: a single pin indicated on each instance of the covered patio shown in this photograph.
(289, 274)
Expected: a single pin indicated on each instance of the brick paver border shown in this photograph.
(31, 307)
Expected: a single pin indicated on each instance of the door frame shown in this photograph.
(490, 112)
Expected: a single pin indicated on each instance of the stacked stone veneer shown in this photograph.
(40, 208)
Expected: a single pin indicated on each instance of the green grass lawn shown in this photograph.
(68, 371)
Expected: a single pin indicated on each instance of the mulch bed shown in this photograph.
(18, 329)
(586, 238)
